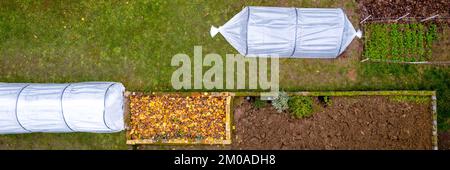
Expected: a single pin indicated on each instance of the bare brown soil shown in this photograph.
(444, 140)
(363, 122)
(398, 8)
(441, 47)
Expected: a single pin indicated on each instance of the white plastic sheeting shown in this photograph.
(289, 32)
(77, 107)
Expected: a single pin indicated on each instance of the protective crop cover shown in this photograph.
(76, 107)
(289, 32)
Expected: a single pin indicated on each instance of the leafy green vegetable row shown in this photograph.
(400, 42)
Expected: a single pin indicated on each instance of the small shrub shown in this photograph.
(259, 103)
(281, 102)
(326, 100)
(301, 106)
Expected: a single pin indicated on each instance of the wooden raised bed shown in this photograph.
(212, 118)
(430, 94)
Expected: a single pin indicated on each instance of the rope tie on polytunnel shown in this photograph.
(214, 30)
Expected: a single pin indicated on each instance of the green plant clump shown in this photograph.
(281, 102)
(327, 100)
(301, 106)
(259, 103)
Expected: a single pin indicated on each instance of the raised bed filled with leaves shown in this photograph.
(179, 118)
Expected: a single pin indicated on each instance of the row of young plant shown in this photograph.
(304, 106)
(298, 106)
(400, 42)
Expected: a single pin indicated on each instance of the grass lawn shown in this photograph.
(61, 141)
(133, 42)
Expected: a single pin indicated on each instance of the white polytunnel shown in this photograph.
(289, 32)
(96, 107)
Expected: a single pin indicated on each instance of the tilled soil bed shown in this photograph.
(398, 8)
(363, 122)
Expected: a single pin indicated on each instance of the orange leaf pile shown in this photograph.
(166, 117)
